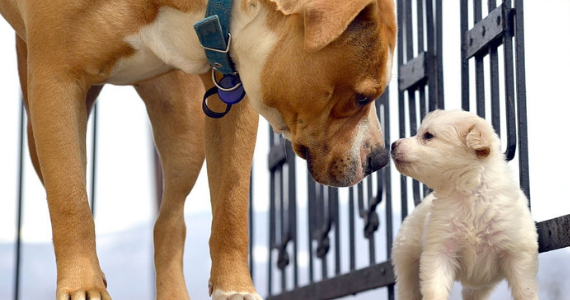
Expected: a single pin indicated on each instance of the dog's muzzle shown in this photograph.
(346, 171)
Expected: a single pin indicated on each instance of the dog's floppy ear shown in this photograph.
(478, 140)
(326, 20)
(289, 7)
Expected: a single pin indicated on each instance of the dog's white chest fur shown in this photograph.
(169, 42)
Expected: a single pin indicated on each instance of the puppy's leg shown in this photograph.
(57, 122)
(406, 254)
(520, 269)
(230, 142)
(173, 105)
(437, 273)
(407, 251)
(407, 270)
(482, 293)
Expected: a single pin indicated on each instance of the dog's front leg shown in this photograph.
(230, 142)
(57, 111)
(173, 102)
(437, 273)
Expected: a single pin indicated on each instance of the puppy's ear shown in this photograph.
(477, 140)
(326, 20)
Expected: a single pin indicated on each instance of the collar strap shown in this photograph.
(213, 33)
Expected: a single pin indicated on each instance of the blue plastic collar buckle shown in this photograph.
(230, 91)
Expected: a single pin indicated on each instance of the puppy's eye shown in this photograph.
(428, 136)
(362, 99)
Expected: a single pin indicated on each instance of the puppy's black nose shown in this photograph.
(394, 145)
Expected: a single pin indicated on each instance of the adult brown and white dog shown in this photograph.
(312, 68)
(475, 227)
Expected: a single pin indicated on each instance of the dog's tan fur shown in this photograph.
(309, 67)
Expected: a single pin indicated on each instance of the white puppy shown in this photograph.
(476, 227)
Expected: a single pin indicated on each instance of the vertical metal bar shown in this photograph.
(385, 182)
(521, 99)
(411, 92)
(334, 208)
(95, 117)
(413, 130)
(311, 221)
(409, 31)
(323, 208)
(271, 233)
(433, 62)
(351, 229)
(360, 199)
(439, 51)
(479, 66)
(282, 225)
(431, 59)
(293, 212)
(420, 27)
(362, 210)
(251, 227)
(495, 94)
(19, 211)
(371, 240)
(509, 90)
(270, 219)
(464, 62)
(401, 99)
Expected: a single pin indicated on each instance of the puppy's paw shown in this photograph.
(222, 295)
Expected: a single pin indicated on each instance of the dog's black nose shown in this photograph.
(377, 159)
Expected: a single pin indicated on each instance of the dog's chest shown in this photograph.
(169, 42)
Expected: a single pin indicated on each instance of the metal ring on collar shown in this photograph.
(233, 88)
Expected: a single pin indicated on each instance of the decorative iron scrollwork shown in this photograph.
(323, 240)
(283, 256)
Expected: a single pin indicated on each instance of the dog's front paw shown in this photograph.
(73, 289)
(219, 294)
(222, 295)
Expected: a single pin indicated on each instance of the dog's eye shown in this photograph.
(428, 136)
(362, 99)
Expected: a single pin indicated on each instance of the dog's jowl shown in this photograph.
(475, 227)
(312, 68)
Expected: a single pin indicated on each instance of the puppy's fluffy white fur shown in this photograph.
(475, 227)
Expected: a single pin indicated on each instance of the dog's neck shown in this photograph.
(252, 42)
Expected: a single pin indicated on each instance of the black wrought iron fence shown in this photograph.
(487, 39)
